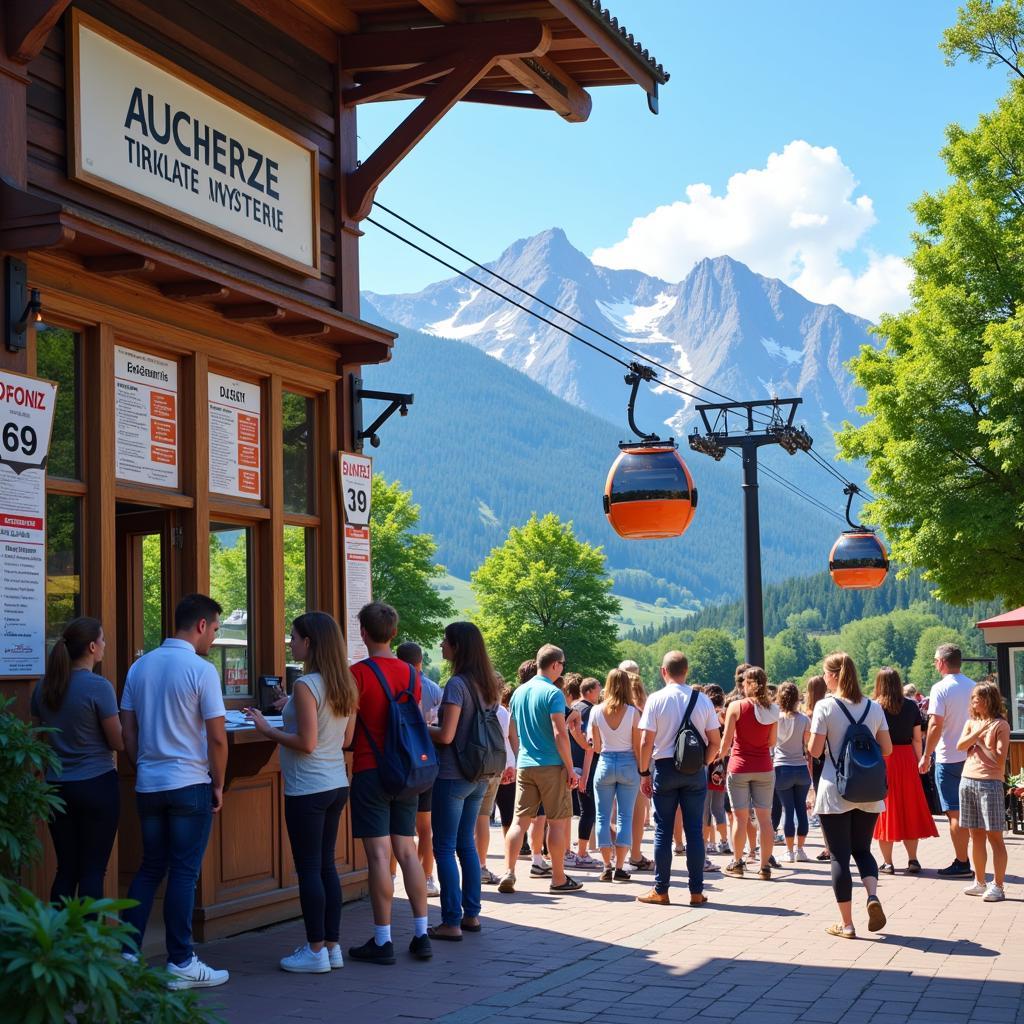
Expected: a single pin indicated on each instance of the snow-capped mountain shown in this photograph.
(744, 335)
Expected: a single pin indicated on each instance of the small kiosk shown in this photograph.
(1006, 634)
(180, 206)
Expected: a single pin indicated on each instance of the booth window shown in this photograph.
(58, 359)
(299, 577)
(63, 571)
(231, 588)
(1016, 689)
(299, 453)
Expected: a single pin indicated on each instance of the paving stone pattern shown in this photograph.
(756, 953)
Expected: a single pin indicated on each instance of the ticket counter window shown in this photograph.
(58, 352)
(299, 578)
(231, 588)
(299, 452)
(1016, 701)
(63, 549)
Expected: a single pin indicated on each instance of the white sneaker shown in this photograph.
(195, 974)
(791, 857)
(432, 889)
(801, 854)
(780, 839)
(571, 859)
(305, 961)
(975, 890)
(334, 956)
(994, 893)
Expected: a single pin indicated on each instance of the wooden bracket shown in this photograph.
(118, 263)
(417, 57)
(251, 311)
(388, 82)
(300, 329)
(193, 289)
(28, 24)
(543, 77)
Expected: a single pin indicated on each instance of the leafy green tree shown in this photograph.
(402, 564)
(922, 670)
(544, 586)
(712, 658)
(944, 399)
(630, 650)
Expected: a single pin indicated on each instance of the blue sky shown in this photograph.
(748, 79)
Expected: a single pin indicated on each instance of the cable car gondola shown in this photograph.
(649, 492)
(858, 559)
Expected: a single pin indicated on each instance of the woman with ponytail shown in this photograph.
(319, 720)
(81, 708)
(848, 827)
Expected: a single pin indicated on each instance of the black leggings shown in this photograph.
(505, 801)
(588, 806)
(312, 822)
(849, 835)
(83, 835)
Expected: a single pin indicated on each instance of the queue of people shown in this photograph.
(699, 757)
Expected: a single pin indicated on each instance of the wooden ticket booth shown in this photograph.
(1005, 633)
(180, 208)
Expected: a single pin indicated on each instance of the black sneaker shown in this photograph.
(369, 952)
(773, 863)
(958, 869)
(886, 869)
(420, 947)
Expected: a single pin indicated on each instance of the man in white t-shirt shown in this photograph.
(668, 788)
(948, 711)
(172, 715)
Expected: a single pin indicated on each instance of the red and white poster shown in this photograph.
(355, 476)
(235, 445)
(26, 421)
(145, 418)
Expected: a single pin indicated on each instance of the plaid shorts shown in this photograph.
(982, 804)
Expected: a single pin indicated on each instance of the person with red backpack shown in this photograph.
(393, 762)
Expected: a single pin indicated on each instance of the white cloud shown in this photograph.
(797, 218)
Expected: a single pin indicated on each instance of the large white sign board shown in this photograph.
(145, 418)
(26, 421)
(154, 134)
(235, 459)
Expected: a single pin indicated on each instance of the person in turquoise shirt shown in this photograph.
(544, 770)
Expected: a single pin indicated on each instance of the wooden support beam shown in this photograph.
(491, 97)
(380, 51)
(331, 13)
(28, 24)
(543, 77)
(193, 289)
(251, 312)
(301, 329)
(387, 82)
(118, 263)
(447, 11)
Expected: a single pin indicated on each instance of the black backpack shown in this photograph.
(861, 776)
(482, 754)
(690, 747)
(408, 764)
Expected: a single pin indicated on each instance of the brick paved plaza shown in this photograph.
(757, 953)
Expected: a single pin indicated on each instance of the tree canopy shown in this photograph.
(945, 394)
(402, 565)
(545, 586)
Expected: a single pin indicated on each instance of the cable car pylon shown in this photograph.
(719, 435)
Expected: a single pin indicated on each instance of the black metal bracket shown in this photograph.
(638, 374)
(397, 403)
(850, 490)
(22, 306)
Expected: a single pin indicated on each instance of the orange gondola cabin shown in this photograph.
(649, 493)
(858, 560)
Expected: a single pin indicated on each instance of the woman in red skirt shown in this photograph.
(906, 818)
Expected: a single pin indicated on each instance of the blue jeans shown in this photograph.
(617, 780)
(947, 781)
(791, 785)
(672, 790)
(175, 826)
(453, 820)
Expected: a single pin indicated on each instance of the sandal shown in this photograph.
(471, 927)
(824, 855)
(876, 915)
(607, 875)
(913, 867)
(840, 932)
(442, 936)
(488, 877)
(643, 864)
(569, 885)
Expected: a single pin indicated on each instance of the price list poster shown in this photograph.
(356, 479)
(235, 411)
(146, 418)
(26, 420)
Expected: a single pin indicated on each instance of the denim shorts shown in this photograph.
(947, 782)
(751, 789)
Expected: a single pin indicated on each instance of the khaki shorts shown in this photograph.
(490, 795)
(544, 785)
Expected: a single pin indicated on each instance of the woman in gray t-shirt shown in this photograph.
(319, 720)
(792, 777)
(81, 708)
(456, 799)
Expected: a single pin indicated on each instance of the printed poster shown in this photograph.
(146, 418)
(358, 590)
(235, 457)
(26, 422)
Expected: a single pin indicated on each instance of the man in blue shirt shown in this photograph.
(544, 770)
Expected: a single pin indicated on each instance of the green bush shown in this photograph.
(26, 798)
(63, 965)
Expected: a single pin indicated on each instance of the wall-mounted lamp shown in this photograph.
(23, 307)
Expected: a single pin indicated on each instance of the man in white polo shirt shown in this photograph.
(669, 788)
(172, 714)
(948, 710)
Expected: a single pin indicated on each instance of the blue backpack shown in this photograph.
(861, 776)
(407, 765)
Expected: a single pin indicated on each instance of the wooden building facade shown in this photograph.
(181, 185)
